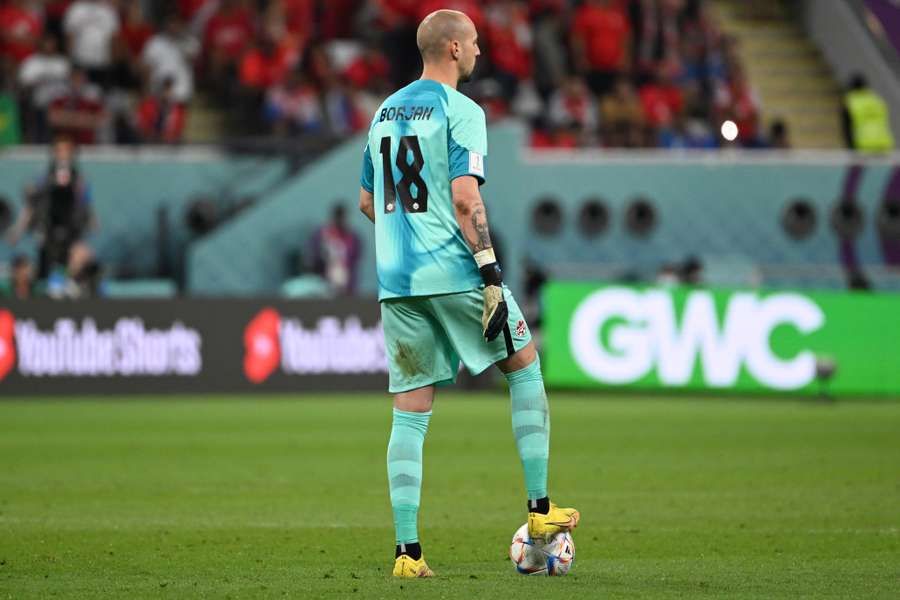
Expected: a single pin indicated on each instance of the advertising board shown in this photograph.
(700, 339)
(195, 345)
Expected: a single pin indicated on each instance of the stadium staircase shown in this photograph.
(791, 76)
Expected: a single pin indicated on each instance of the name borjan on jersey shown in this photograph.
(406, 113)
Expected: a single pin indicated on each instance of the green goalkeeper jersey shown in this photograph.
(421, 138)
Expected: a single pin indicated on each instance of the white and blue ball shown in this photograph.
(536, 557)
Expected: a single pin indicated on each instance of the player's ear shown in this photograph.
(455, 49)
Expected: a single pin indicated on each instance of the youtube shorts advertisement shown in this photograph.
(770, 342)
(122, 347)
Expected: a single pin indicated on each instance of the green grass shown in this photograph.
(282, 497)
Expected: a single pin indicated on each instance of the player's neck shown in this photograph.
(447, 76)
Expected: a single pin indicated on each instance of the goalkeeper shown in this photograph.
(440, 287)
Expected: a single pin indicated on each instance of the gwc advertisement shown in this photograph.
(844, 343)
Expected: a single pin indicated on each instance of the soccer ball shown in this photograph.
(535, 557)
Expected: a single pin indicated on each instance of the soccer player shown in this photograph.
(440, 287)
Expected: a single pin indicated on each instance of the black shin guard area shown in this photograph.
(541, 505)
(414, 550)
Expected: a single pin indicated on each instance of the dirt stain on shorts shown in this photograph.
(406, 360)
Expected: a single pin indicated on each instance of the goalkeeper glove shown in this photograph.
(493, 319)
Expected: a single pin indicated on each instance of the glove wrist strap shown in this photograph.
(488, 267)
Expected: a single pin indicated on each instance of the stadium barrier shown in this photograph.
(805, 343)
(190, 345)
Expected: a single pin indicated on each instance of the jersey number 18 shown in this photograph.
(411, 175)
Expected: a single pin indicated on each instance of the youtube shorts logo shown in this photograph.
(324, 345)
(7, 343)
(189, 345)
(262, 350)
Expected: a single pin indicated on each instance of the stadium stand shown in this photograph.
(606, 73)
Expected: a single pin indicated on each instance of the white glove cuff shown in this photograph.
(485, 257)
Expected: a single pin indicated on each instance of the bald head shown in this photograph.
(439, 28)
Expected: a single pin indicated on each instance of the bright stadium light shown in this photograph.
(729, 130)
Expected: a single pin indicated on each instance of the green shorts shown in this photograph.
(425, 337)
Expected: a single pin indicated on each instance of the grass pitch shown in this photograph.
(283, 497)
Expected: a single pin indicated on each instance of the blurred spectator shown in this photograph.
(91, 27)
(136, 30)
(333, 17)
(188, 9)
(43, 77)
(57, 209)
(78, 111)
(161, 117)
(601, 43)
(334, 252)
(866, 118)
(342, 112)
(20, 31)
(549, 31)
(228, 34)
(544, 135)
(82, 278)
(737, 102)
(397, 20)
(667, 276)
(294, 106)
(692, 271)
(622, 122)
(135, 34)
(779, 139)
(660, 24)
(687, 133)
(298, 16)
(168, 56)
(574, 104)
(369, 70)
(21, 284)
(509, 42)
(54, 15)
(661, 99)
(265, 64)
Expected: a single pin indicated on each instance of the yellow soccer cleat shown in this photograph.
(405, 566)
(543, 527)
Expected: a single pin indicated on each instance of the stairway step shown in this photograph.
(767, 30)
(756, 10)
(793, 87)
(780, 48)
(796, 71)
(797, 102)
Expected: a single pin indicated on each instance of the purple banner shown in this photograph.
(888, 13)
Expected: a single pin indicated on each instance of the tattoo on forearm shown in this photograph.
(480, 237)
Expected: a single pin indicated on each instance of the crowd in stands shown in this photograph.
(599, 73)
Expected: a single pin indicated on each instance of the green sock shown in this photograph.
(531, 426)
(404, 463)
